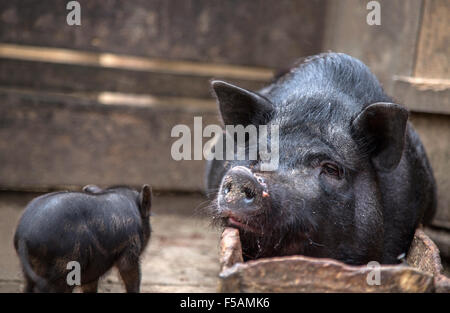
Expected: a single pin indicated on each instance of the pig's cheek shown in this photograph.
(308, 188)
(332, 183)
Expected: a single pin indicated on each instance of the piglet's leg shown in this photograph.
(130, 272)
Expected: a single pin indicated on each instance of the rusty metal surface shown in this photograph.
(424, 255)
(230, 248)
(306, 274)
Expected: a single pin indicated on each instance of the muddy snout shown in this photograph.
(242, 191)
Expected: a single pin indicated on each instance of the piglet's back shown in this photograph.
(58, 216)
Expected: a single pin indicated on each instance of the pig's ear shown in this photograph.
(92, 189)
(384, 126)
(239, 106)
(145, 201)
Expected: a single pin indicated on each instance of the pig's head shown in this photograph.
(323, 200)
(143, 201)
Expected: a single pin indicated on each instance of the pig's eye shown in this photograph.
(331, 169)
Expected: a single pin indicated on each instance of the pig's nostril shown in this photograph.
(248, 201)
(249, 195)
(226, 188)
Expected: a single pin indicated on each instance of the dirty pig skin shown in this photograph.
(353, 180)
(98, 228)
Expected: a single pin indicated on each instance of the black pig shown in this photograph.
(353, 180)
(98, 229)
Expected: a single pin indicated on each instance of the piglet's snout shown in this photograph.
(241, 189)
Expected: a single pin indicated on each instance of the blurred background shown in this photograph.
(95, 103)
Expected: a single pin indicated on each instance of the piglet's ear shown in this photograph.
(145, 199)
(383, 125)
(239, 106)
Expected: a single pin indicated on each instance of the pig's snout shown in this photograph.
(242, 190)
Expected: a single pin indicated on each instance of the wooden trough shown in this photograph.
(306, 274)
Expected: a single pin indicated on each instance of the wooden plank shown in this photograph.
(109, 60)
(434, 131)
(78, 78)
(423, 95)
(388, 49)
(433, 49)
(53, 141)
(232, 32)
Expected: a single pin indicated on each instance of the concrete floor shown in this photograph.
(182, 255)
